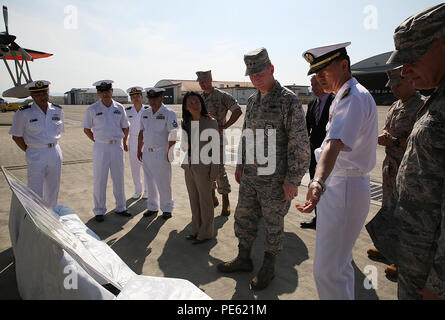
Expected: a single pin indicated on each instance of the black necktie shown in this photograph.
(317, 111)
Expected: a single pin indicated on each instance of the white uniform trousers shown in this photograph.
(135, 165)
(158, 176)
(341, 213)
(44, 172)
(108, 157)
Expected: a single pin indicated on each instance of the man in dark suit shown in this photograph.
(317, 117)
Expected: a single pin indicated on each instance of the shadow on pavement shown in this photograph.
(180, 259)
(133, 247)
(113, 222)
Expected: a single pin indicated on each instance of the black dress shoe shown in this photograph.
(191, 237)
(99, 218)
(149, 213)
(197, 241)
(166, 215)
(123, 213)
(309, 225)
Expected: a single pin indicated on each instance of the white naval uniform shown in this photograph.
(159, 128)
(108, 153)
(43, 154)
(344, 206)
(134, 117)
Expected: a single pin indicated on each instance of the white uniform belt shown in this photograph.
(109, 141)
(42, 146)
(154, 149)
(348, 173)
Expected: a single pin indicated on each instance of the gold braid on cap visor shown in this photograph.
(325, 60)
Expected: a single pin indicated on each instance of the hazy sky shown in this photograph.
(142, 42)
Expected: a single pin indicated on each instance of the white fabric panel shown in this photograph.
(156, 288)
(58, 257)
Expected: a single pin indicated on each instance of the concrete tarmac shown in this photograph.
(152, 246)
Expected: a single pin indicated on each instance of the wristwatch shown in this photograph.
(396, 142)
(320, 182)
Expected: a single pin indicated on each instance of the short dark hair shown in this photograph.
(347, 58)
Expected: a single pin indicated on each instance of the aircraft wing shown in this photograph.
(33, 53)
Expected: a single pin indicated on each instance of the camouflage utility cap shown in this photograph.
(256, 61)
(414, 37)
(203, 75)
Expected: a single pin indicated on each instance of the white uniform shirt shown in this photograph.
(36, 128)
(353, 120)
(134, 117)
(106, 122)
(159, 128)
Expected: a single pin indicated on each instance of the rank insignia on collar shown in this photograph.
(346, 93)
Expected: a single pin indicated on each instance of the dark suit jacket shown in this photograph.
(317, 132)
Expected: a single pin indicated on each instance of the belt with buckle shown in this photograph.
(347, 173)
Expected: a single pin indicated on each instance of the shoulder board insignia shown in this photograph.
(346, 93)
(57, 106)
(129, 108)
(25, 107)
(145, 107)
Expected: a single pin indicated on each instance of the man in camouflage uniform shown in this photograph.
(399, 123)
(218, 103)
(411, 231)
(273, 116)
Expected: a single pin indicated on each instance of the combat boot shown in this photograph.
(266, 273)
(392, 271)
(375, 253)
(226, 206)
(242, 263)
(215, 199)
